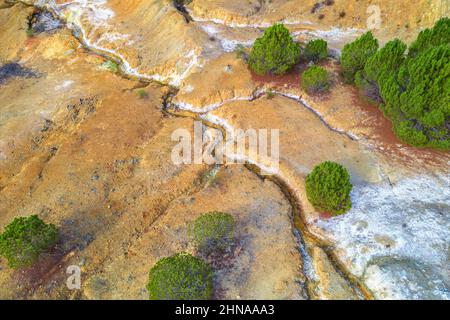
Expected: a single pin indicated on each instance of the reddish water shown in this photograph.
(384, 138)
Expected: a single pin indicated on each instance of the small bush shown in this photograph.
(315, 80)
(212, 231)
(30, 32)
(275, 52)
(270, 94)
(180, 277)
(241, 52)
(110, 66)
(316, 50)
(24, 239)
(328, 188)
(355, 55)
(142, 93)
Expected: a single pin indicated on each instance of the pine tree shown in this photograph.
(355, 55)
(275, 52)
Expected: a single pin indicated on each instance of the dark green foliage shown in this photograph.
(142, 93)
(212, 231)
(270, 94)
(315, 80)
(24, 239)
(428, 38)
(355, 55)
(388, 59)
(413, 89)
(275, 52)
(328, 188)
(111, 66)
(379, 66)
(316, 50)
(180, 277)
(30, 32)
(406, 131)
(417, 98)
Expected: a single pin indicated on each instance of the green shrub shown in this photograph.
(270, 94)
(110, 66)
(355, 55)
(212, 231)
(241, 52)
(24, 239)
(379, 66)
(328, 188)
(315, 80)
(142, 93)
(275, 52)
(428, 38)
(180, 277)
(417, 98)
(30, 32)
(316, 50)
